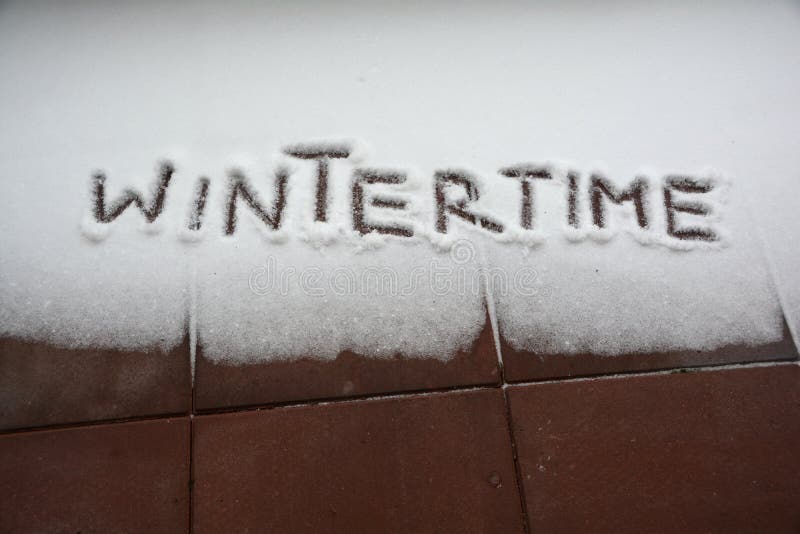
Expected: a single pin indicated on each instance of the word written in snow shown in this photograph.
(601, 192)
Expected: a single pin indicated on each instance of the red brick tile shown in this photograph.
(225, 385)
(42, 385)
(523, 366)
(710, 451)
(128, 477)
(433, 463)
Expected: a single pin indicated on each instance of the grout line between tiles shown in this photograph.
(192, 312)
(490, 308)
(398, 395)
(769, 258)
(99, 422)
(658, 372)
(190, 482)
(343, 400)
(489, 296)
(517, 470)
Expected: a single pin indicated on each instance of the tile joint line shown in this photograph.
(398, 395)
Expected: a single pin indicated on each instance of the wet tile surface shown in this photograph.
(42, 385)
(711, 451)
(433, 463)
(129, 477)
(523, 366)
(223, 386)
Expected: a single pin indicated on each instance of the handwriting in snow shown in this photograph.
(600, 193)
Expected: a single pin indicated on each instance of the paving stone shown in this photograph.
(43, 385)
(710, 451)
(423, 463)
(524, 366)
(224, 385)
(126, 477)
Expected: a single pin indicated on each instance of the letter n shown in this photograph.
(238, 186)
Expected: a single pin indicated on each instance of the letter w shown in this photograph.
(151, 211)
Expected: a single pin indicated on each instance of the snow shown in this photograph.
(624, 91)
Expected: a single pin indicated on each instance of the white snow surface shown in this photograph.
(674, 87)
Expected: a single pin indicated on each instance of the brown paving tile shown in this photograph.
(225, 385)
(522, 366)
(424, 463)
(711, 451)
(127, 477)
(42, 385)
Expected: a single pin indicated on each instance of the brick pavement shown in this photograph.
(101, 441)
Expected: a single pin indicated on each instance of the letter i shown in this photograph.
(200, 195)
(572, 200)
